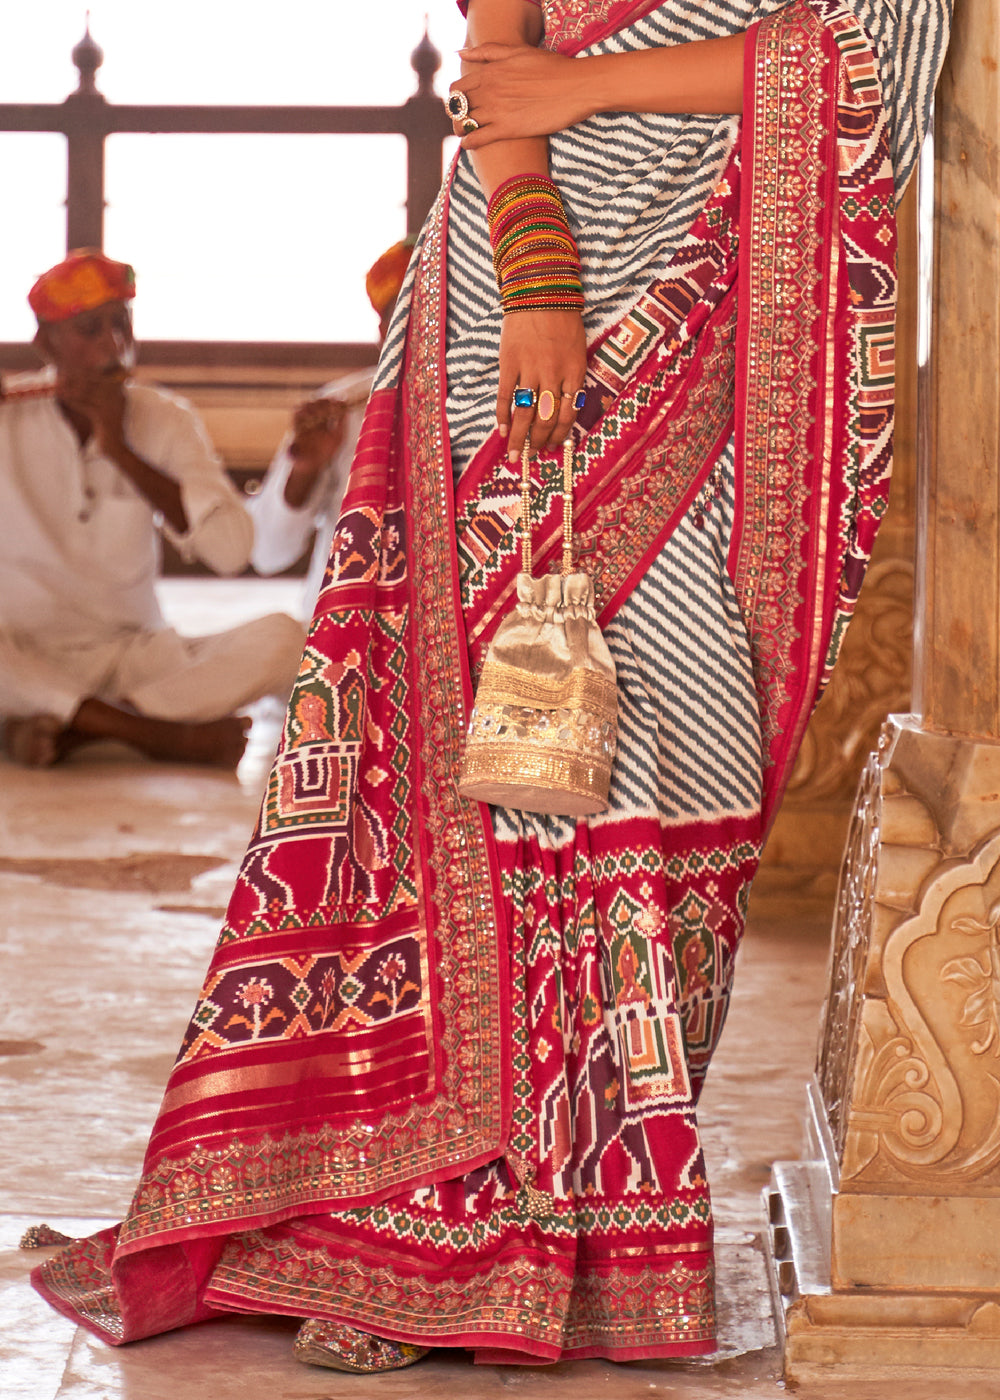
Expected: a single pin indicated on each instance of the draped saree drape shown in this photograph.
(441, 1079)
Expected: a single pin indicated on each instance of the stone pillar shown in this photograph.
(85, 132)
(957, 652)
(885, 1241)
(427, 127)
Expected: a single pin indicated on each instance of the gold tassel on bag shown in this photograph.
(544, 726)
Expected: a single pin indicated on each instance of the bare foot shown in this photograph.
(38, 741)
(218, 742)
(34, 741)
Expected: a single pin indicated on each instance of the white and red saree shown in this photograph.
(441, 1079)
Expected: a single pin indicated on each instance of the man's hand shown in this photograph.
(317, 433)
(99, 397)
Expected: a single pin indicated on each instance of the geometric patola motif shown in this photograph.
(652, 1048)
(630, 343)
(877, 359)
(309, 789)
(288, 998)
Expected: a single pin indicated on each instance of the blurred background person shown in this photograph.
(91, 470)
(299, 499)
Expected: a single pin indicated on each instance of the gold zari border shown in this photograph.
(511, 685)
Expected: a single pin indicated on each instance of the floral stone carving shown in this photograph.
(925, 1078)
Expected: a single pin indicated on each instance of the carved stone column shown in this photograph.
(885, 1240)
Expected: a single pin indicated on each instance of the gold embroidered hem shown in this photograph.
(342, 1348)
(528, 1301)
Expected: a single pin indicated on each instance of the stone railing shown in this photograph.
(86, 118)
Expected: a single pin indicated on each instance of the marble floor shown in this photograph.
(113, 876)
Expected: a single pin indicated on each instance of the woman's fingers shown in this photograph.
(566, 417)
(545, 425)
(546, 414)
(520, 428)
(460, 103)
(468, 129)
(551, 427)
(505, 395)
(543, 352)
(489, 53)
(519, 90)
(516, 423)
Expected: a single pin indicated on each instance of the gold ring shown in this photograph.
(470, 125)
(546, 405)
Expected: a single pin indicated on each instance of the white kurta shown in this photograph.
(282, 532)
(79, 557)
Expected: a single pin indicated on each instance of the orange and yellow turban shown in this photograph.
(385, 277)
(85, 280)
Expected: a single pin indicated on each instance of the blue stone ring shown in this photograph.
(524, 398)
(579, 398)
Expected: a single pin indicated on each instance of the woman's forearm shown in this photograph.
(703, 76)
(516, 91)
(506, 22)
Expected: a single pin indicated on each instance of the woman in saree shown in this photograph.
(440, 1085)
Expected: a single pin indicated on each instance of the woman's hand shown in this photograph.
(540, 350)
(515, 91)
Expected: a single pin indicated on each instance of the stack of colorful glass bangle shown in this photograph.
(535, 259)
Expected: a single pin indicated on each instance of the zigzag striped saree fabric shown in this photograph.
(441, 1080)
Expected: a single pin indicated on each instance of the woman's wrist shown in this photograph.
(535, 257)
(600, 79)
(590, 85)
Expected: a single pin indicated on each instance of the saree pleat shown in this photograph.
(592, 1236)
(441, 1080)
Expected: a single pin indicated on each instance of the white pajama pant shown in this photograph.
(160, 674)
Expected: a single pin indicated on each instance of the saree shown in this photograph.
(441, 1080)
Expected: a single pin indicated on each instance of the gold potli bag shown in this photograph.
(544, 726)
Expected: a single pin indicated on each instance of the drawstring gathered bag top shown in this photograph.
(544, 726)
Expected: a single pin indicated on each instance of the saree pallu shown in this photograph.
(441, 1079)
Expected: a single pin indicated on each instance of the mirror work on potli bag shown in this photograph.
(543, 729)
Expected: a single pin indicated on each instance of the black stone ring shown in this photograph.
(458, 105)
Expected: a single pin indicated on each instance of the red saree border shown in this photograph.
(621, 532)
(775, 555)
(805, 518)
(638, 1308)
(572, 25)
(251, 1131)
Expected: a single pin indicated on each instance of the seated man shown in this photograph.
(88, 473)
(300, 496)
